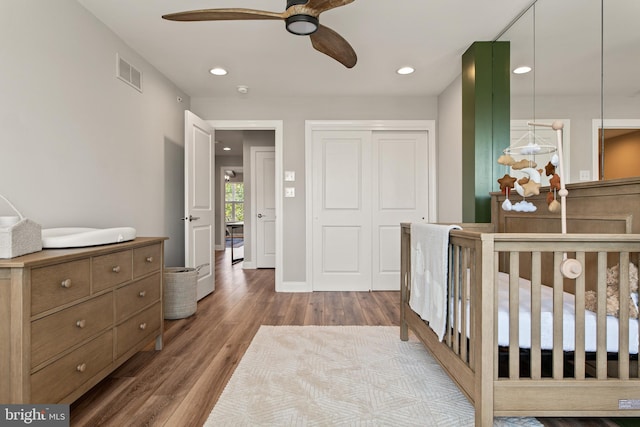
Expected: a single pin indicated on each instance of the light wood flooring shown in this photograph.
(179, 385)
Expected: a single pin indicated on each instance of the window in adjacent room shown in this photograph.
(234, 201)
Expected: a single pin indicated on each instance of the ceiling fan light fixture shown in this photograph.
(302, 25)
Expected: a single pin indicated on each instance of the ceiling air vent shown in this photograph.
(128, 73)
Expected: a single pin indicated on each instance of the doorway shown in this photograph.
(616, 146)
(277, 127)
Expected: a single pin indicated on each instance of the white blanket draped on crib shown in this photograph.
(429, 263)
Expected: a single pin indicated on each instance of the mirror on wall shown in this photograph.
(584, 57)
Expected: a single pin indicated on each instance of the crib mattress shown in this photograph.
(546, 319)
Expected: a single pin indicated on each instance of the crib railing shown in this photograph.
(509, 380)
(595, 253)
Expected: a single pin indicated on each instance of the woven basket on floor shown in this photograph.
(180, 292)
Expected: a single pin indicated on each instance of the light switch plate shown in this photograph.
(289, 192)
(289, 176)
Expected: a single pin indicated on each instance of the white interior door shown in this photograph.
(341, 210)
(264, 161)
(399, 194)
(199, 200)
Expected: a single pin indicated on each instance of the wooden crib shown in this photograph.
(505, 379)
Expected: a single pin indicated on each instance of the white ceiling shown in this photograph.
(430, 35)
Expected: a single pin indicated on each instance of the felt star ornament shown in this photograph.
(554, 182)
(507, 181)
(549, 169)
(531, 188)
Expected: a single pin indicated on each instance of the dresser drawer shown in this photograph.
(138, 328)
(59, 331)
(62, 377)
(146, 260)
(136, 296)
(59, 284)
(111, 269)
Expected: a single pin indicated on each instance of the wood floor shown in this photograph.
(179, 385)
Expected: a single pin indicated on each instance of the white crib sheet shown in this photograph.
(568, 334)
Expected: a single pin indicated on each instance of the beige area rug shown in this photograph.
(341, 376)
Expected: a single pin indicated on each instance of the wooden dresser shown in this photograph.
(69, 317)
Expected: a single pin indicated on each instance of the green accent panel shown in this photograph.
(485, 124)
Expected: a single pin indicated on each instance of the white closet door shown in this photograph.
(341, 210)
(399, 194)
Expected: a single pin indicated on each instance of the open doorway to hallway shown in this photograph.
(241, 203)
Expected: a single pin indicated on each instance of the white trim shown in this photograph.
(606, 123)
(295, 287)
(278, 127)
(428, 126)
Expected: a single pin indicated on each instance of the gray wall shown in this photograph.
(293, 112)
(450, 153)
(78, 147)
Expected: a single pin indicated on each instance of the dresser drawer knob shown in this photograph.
(142, 294)
(81, 323)
(66, 283)
(143, 326)
(149, 259)
(116, 269)
(81, 367)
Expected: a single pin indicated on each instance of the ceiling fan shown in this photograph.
(301, 18)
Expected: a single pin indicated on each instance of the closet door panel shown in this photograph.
(399, 183)
(341, 210)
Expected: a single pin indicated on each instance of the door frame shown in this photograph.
(428, 126)
(276, 126)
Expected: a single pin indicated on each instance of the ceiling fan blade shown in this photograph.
(330, 43)
(222, 15)
(323, 5)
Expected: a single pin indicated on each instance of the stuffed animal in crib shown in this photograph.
(613, 292)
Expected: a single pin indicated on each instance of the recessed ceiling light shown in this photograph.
(227, 149)
(405, 70)
(217, 71)
(522, 70)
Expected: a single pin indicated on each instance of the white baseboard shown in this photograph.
(219, 247)
(294, 287)
(248, 265)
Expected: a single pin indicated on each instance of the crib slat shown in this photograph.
(579, 355)
(455, 297)
(473, 259)
(536, 354)
(496, 359)
(514, 315)
(558, 288)
(601, 318)
(448, 337)
(623, 328)
(464, 286)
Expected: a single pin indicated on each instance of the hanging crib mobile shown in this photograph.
(521, 157)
